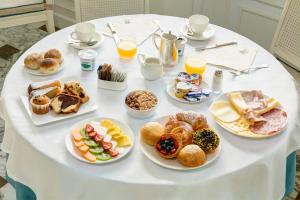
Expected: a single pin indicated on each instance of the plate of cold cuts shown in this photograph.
(249, 114)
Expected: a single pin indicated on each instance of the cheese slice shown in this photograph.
(271, 103)
(224, 112)
(238, 126)
(238, 102)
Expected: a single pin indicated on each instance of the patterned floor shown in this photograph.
(14, 41)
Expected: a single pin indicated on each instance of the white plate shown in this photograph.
(153, 155)
(51, 117)
(171, 92)
(38, 73)
(76, 153)
(223, 97)
(207, 34)
(98, 37)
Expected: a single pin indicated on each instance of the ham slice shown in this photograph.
(275, 121)
(254, 99)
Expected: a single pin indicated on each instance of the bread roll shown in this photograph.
(32, 61)
(191, 156)
(151, 132)
(55, 54)
(48, 66)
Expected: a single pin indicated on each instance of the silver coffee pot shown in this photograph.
(167, 48)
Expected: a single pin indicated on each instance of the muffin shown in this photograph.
(40, 104)
(191, 156)
(151, 132)
(55, 54)
(49, 66)
(32, 61)
(207, 139)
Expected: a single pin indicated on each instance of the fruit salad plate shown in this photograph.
(152, 154)
(99, 140)
(230, 111)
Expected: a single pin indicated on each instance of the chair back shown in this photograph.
(92, 9)
(286, 42)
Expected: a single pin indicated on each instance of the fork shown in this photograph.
(246, 71)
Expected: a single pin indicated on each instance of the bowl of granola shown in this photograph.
(141, 103)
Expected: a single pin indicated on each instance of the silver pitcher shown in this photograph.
(168, 51)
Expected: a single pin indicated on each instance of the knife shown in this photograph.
(113, 32)
(215, 46)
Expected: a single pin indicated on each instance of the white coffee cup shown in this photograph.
(84, 32)
(151, 67)
(198, 23)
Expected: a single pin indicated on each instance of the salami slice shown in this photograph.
(254, 99)
(276, 120)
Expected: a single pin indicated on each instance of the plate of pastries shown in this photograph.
(188, 88)
(182, 141)
(55, 100)
(44, 63)
(249, 114)
(99, 140)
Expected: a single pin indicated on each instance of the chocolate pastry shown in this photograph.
(74, 88)
(65, 103)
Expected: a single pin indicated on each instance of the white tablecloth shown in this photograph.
(246, 169)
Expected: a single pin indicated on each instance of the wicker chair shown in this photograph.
(286, 42)
(15, 14)
(92, 9)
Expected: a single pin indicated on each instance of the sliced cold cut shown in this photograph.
(276, 119)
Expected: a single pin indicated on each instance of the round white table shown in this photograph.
(246, 168)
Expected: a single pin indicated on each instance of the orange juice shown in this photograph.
(195, 65)
(127, 49)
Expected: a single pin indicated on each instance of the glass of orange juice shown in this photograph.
(195, 64)
(127, 48)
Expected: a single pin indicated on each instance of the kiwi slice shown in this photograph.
(96, 150)
(83, 134)
(90, 143)
(103, 156)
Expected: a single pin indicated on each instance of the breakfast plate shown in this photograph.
(152, 154)
(58, 90)
(207, 34)
(122, 151)
(77, 45)
(171, 90)
(271, 119)
(38, 73)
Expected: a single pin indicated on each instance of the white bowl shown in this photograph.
(142, 114)
(198, 23)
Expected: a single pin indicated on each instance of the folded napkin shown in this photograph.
(137, 29)
(236, 57)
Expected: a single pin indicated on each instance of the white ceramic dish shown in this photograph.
(38, 73)
(207, 34)
(142, 114)
(98, 37)
(109, 85)
(152, 154)
(171, 92)
(223, 97)
(76, 153)
(51, 117)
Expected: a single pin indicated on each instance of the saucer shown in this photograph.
(97, 37)
(207, 34)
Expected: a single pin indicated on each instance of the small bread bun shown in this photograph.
(53, 53)
(32, 61)
(151, 132)
(191, 156)
(49, 66)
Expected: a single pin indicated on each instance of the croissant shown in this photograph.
(186, 132)
(196, 120)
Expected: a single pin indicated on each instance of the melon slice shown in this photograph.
(89, 156)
